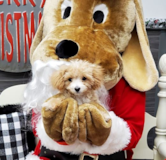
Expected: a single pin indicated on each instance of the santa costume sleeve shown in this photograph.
(127, 112)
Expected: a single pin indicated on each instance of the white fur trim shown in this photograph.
(120, 134)
(30, 156)
(118, 139)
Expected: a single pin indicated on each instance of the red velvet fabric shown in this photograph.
(129, 104)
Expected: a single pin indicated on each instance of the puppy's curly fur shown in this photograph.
(79, 80)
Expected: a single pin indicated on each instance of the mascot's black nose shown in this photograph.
(66, 49)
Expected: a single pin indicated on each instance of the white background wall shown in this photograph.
(154, 8)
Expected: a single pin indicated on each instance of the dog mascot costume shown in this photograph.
(104, 32)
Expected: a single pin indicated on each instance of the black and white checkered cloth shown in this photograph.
(13, 142)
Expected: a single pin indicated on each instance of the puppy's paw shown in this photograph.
(52, 104)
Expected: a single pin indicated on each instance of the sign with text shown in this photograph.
(19, 20)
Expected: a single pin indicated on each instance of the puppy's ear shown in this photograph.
(98, 75)
(57, 79)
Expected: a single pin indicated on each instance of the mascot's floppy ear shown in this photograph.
(37, 39)
(139, 67)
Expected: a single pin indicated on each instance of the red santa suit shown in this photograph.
(127, 111)
(129, 104)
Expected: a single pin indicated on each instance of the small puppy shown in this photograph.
(79, 80)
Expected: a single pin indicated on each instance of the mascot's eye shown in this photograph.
(98, 16)
(67, 12)
(66, 9)
(69, 79)
(100, 13)
(84, 78)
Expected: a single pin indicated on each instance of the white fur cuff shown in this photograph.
(30, 156)
(118, 139)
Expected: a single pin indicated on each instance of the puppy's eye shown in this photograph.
(69, 79)
(100, 13)
(66, 9)
(84, 78)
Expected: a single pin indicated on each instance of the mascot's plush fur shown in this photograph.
(104, 32)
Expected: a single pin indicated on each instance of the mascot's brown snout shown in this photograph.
(85, 43)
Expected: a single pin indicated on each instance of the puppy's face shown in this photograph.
(78, 85)
(78, 78)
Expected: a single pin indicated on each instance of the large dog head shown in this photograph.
(110, 33)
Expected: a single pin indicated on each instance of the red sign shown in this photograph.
(19, 20)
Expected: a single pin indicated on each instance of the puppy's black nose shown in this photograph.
(77, 89)
(66, 49)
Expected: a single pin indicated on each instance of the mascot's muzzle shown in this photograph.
(66, 49)
(85, 43)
